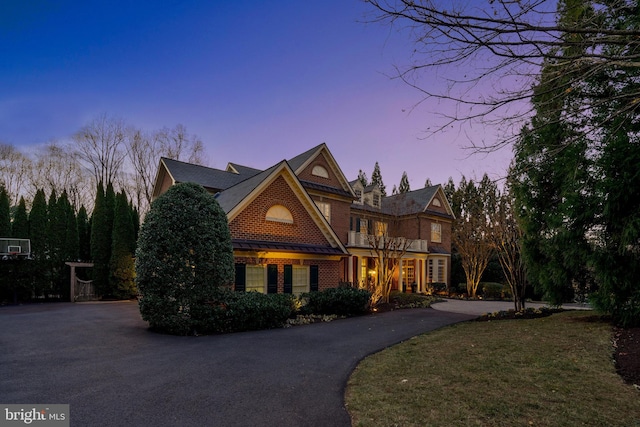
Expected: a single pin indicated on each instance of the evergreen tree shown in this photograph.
(404, 184)
(122, 273)
(101, 230)
(394, 191)
(84, 235)
(71, 240)
(362, 177)
(5, 213)
(38, 235)
(428, 183)
(20, 224)
(376, 179)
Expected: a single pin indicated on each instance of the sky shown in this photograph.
(257, 81)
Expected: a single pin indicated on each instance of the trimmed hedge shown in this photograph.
(246, 311)
(343, 301)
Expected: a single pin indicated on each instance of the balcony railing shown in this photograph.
(361, 240)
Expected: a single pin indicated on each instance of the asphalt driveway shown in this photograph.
(101, 359)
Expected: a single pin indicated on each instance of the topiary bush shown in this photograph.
(343, 301)
(491, 290)
(184, 255)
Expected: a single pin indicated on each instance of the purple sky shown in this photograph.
(257, 81)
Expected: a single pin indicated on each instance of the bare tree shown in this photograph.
(144, 151)
(58, 168)
(492, 53)
(387, 249)
(15, 167)
(101, 146)
(471, 235)
(507, 239)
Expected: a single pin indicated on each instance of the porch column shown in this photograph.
(400, 276)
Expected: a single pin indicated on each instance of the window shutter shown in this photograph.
(288, 279)
(313, 280)
(272, 279)
(241, 277)
(358, 225)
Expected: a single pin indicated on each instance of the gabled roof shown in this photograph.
(301, 161)
(411, 202)
(234, 199)
(242, 170)
(210, 178)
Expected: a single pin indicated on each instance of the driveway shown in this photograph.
(101, 359)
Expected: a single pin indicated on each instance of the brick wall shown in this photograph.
(320, 160)
(329, 272)
(251, 223)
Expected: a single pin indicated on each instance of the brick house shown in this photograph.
(299, 225)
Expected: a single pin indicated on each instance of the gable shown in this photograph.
(252, 222)
(319, 167)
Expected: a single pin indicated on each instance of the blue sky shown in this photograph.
(257, 81)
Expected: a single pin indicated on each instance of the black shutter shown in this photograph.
(241, 277)
(272, 279)
(313, 279)
(357, 225)
(288, 279)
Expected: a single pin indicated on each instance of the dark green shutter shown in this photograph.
(288, 279)
(241, 277)
(272, 279)
(313, 280)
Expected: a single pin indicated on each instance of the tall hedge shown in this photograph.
(184, 254)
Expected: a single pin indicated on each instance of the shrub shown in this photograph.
(403, 300)
(491, 290)
(246, 311)
(184, 253)
(343, 301)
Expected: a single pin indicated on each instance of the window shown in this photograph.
(431, 278)
(255, 278)
(300, 279)
(376, 200)
(325, 208)
(279, 213)
(359, 196)
(408, 273)
(381, 228)
(364, 271)
(436, 232)
(441, 270)
(320, 171)
(436, 202)
(364, 226)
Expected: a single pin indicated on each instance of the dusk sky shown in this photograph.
(257, 81)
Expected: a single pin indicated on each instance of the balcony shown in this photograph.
(361, 240)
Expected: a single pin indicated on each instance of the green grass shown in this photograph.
(553, 371)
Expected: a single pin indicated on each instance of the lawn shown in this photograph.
(552, 371)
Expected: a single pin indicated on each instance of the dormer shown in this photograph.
(372, 196)
(358, 190)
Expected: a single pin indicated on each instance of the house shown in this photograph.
(301, 226)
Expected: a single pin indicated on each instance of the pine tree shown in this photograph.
(428, 183)
(38, 234)
(5, 213)
(404, 184)
(84, 235)
(70, 242)
(101, 230)
(121, 266)
(20, 224)
(362, 177)
(376, 179)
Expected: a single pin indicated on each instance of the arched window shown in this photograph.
(320, 171)
(436, 202)
(279, 213)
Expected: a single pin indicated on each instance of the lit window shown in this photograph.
(436, 232)
(436, 202)
(431, 278)
(364, 226)
(279, 213)
(300, 279)
(381, 228)
(325, 208)
(254, 278)
(320, 171)
(441, 270)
